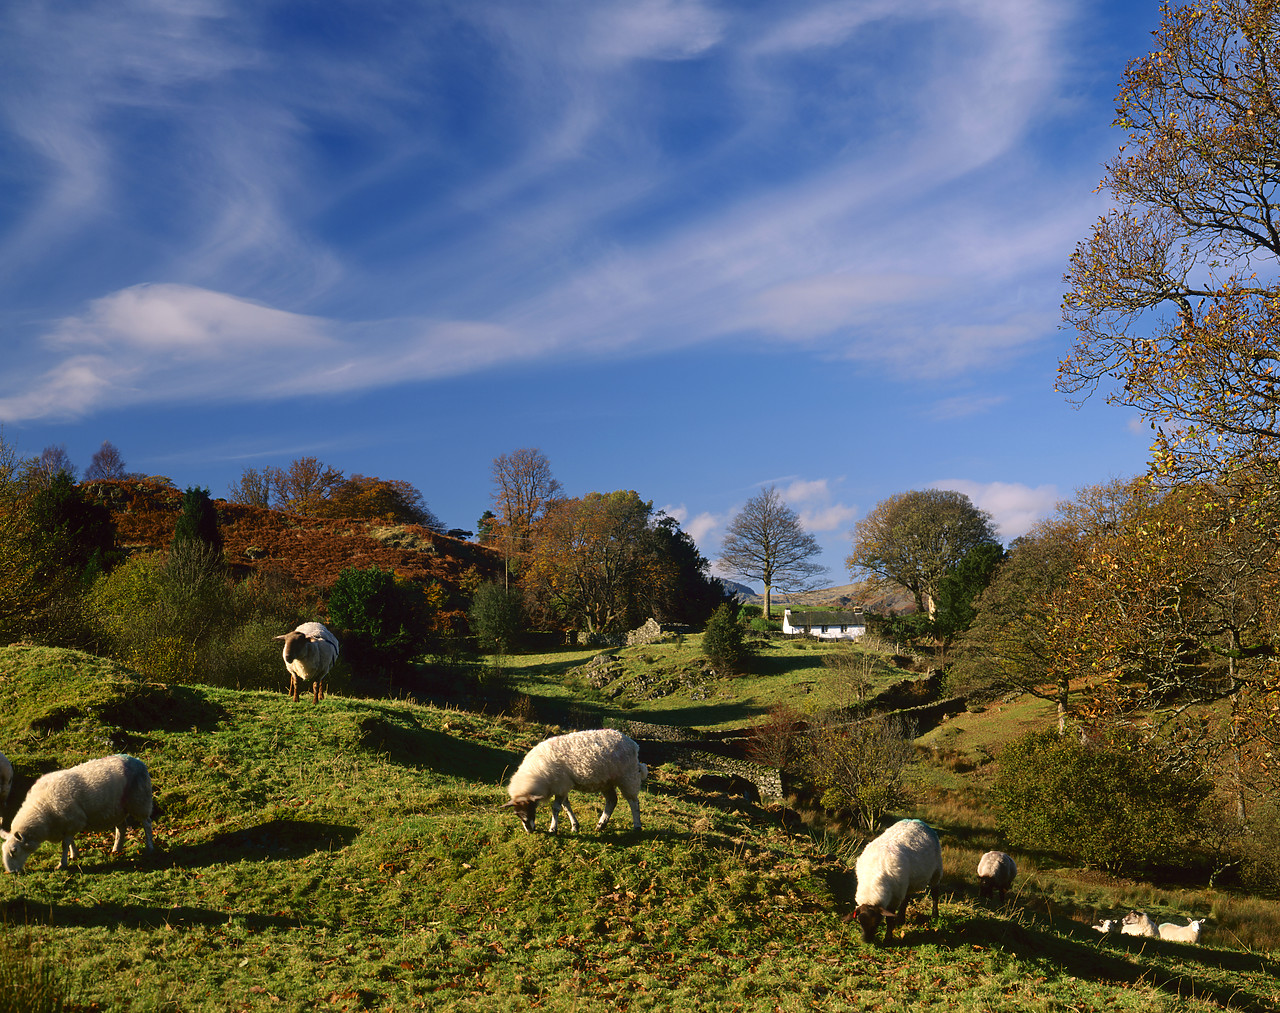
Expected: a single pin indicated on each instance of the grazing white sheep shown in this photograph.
(995, 872)
(1106, 926)
(309, 653)
(98, 795)
(1189, 933)
(1138, 923)
(601, 759)
(903, 860)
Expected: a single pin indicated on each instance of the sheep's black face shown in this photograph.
(869, 918)
(526, 810)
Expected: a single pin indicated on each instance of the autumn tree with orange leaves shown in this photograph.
(1175, 303)
(595, 564)
(1176, 293)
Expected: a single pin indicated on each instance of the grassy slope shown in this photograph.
(351, 856)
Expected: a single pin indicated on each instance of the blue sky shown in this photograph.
(686, 248)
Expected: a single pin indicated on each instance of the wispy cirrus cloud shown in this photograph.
(582, 180)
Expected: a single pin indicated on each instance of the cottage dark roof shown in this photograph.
(826, 619)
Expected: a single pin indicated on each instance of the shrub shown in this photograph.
(862, 766)
(1110, 806)
(776, 741)
(497, 617)
(383, 619)
(722, 641)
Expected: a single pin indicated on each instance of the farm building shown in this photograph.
(824, 625)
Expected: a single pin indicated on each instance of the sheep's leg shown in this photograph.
(634, 802)
(293, 688)
(933, 890)
(555, 815)
(69, 852)
(316, 691)
(573, 819)
(118, 846)
(610, 800)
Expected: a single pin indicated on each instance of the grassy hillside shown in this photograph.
(352, 856)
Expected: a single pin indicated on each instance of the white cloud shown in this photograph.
(590, 217)
(1014, 507)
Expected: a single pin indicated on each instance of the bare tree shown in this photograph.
(523, 488)
(54, 460)
(766, 543)
(304, 485)
(106, 463)
(253, 488)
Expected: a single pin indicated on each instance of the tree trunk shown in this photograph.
(767, 616)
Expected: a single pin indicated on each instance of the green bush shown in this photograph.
(497, 618)
(383, 620)
(723, 642)
(1113, 806)
(180, 618)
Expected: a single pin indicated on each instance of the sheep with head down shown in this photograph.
(601, 759)
(309, 653)
(905, 859)
(102, 794)
(995, 872)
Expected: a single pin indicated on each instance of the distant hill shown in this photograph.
(860, 595)
(739, 591)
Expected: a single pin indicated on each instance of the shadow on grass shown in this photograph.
(275, 839)
(1214, 975)
(404, 741)
(20, 911)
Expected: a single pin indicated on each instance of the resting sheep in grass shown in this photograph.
(1106, 926)
(309, 653)
(98, 795)
(1182, 933)
(995, 872)
(602, 760)
(903, 860)
(1138, 923)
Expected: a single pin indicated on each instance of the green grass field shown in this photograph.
(352, 856)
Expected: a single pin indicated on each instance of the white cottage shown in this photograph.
(824, 625)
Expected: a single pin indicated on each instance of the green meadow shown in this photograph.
(353, 856)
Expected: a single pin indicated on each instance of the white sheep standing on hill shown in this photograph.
(309, 653)
(98, 795)
(601, 759)
(905, 859)
(1182, 933)
(1138, 923)
(995, 872)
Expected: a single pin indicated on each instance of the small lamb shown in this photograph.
(309, 653)
(601, 759)
(1189, 933)
(995, 872)
(1138, 923)
(98, 795)
(1106, 926)
(903, 860)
